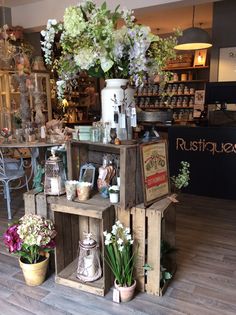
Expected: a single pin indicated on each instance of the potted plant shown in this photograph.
(114, 193)
(120, 257)
(32, 238)
(182, 179)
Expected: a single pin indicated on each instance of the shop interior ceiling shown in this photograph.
(163, 18)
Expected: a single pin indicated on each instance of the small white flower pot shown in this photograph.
(114, 197)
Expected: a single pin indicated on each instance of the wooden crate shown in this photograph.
(37, 203)
(149, 226)
(81, 152)
(72, 219)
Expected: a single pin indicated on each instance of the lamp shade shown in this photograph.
(193, 38)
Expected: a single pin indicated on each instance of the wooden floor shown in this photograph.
(204, 284)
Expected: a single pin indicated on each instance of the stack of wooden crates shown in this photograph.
(149, 225)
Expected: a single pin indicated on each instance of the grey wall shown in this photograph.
(5, 16)
(223, 32)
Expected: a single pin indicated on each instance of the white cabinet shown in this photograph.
(10, 96)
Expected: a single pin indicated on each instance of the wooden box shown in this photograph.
(150, 226)
(72, 219)
(81, 152)
(38, 203)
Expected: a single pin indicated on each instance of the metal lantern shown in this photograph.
(55, 176)
(89, 266)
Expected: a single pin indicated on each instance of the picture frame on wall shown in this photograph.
(155, 171)
(227, 64)
(200, 58)
(199, 98)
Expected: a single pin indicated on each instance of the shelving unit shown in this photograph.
(10, 96)
(177, 95)
(81, 99)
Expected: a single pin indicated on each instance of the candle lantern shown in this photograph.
(89, 266)
(55, 176)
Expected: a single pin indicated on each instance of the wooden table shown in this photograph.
(33, 147)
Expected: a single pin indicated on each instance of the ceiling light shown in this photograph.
(193, 38)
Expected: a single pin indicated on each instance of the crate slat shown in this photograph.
(154, 251)
(139, 221)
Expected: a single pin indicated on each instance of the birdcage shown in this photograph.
(55, 176)
(89, 266)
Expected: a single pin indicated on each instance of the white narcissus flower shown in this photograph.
(108, 236)
(120, 248)
(107, 242)
(128, 237)
(120, 241)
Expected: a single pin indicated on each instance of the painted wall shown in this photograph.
(223, 32)
(38, 13)
(5, 16)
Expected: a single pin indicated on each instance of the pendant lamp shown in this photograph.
(193, 38)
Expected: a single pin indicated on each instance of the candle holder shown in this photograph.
(89, 266)
(55, 176)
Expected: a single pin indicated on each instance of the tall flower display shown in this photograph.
(90, 40)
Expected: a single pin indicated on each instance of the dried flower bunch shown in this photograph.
(119, 253)
(90, 41)
(30, 237)
(182, 179)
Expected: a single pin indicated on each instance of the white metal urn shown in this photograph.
(117, 103)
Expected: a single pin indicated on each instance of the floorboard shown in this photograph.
(204, 283)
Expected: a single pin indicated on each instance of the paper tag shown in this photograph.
(133, 121)
(116, 296)
(122, 121)
(173, 199)
(133, 111)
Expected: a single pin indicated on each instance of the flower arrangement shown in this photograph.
(30, 238)
(182, 179)
(90, 40)
(119, 254)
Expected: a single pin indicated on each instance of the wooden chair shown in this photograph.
(11, 170)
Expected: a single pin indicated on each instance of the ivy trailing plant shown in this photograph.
(165, 274)
(182, 179)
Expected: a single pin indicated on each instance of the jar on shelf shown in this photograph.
(191, 101)
(190, 76)
(186, 90)
(94, 134)
(179, 101)
(185, 101)
(191, 91)
(184, 77)
(175, 77)
(175, 88)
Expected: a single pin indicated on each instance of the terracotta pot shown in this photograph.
(126, 293)
(35, 274)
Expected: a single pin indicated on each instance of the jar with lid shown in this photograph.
(95, 133)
